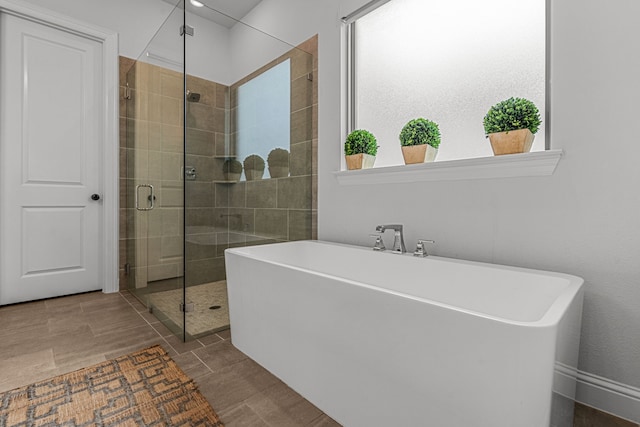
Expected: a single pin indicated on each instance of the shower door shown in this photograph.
(155, 185)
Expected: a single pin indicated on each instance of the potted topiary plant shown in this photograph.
(360, 149)
(278, 161)
(253, 167)
(511, 125)
(232, 169)
(420, 139)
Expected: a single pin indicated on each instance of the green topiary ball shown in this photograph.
(419, 132)
(360, 141)
(512, 114)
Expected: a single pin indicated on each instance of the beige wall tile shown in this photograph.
(200, 142)
(231, 195)
(301, 159)
(301, 125)
(301, 93)
(300, 224)
(295, 192)
(301, 63)
(200, 194)
(172, 138)
(242, 220)
(222, 95)
(272, 223)
(205, 271)
(172, 164)
(262, 194)
(201, 116)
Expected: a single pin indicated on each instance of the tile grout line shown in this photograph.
(202, 361)
(149, 324)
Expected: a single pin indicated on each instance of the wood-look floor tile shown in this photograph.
(26, 368)
(21, 317)
(225, 334)
(118, 341)
(21, 309)
(73, 364)
(106, 302)
(183, 347)
(19, 343)
(324, 421)
(191, 365)
(586, 416)
(280, 406)
(220, 355)
(234, 384)
(210, 339)
(67, 322)
(241, 416)
(137, 305)
(149, 317)
(15, 336)
(75, 302)
(161, 329)
(112, 319)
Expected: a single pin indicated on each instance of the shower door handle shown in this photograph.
(151, 198)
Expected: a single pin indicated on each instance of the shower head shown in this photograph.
(193, 96)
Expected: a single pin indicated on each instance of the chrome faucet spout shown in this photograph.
(398, 237)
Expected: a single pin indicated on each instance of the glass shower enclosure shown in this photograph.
(219, 143)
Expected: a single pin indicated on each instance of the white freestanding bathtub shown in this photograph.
(379, 339)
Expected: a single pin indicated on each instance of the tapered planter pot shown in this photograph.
(254, 174)
(418, 154)
(360, 161)
(278, 171)
(511, 142)
(232, 176)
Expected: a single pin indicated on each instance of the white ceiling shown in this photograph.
(223, 12)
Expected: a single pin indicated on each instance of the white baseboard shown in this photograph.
(609, 396)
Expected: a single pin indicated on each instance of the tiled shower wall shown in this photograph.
(280, 209)
(218, 215)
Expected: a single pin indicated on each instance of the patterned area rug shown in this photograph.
(145, 388)
(203, 319)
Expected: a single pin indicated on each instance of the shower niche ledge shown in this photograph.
(538, 163)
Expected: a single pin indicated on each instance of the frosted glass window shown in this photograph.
(264, 113)
(448, 61)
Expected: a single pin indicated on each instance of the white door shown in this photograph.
(51, 115)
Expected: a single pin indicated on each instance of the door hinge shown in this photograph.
(186, 308)
(127, 92)
(186, 29)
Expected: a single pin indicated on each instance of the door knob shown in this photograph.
(95, 197)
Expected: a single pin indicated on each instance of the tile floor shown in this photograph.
(45, 338)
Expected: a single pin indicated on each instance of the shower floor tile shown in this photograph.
(202, 320)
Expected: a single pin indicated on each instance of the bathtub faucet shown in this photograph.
(398, 238)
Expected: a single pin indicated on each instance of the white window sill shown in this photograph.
(538, 163)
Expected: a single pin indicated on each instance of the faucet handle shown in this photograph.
(420, 249)
(379, 245)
